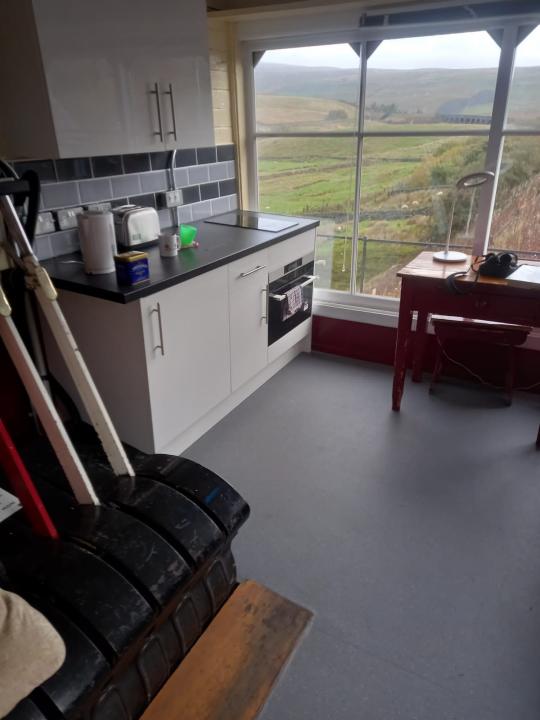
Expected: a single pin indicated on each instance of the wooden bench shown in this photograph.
(460, 329)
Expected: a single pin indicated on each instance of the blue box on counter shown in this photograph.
(131, 267)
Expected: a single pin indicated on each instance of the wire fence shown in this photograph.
(363, 252)
(365, 242)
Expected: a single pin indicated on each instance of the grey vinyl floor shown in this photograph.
(413, 537)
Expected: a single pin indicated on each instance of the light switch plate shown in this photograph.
(68, 218)
(171, 198)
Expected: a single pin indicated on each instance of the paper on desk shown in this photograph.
(525, 275)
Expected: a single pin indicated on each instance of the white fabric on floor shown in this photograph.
(30, 650)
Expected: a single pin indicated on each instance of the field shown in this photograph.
(320, 182)
(406, 182)
(416, 93)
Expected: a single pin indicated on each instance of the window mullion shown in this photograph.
(358, 169)
(486, 203)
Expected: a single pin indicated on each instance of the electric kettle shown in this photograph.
(98, 242)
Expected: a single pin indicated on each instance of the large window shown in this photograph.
(372, 137)
(311, 174)
(442, 86)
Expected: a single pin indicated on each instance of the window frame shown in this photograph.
(330, 300)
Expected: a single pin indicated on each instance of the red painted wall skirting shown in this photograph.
(355, 340)
(375, 343)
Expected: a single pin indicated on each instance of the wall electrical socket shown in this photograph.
(172, 198)
(100, 206)
(45, 223)
(68, 218)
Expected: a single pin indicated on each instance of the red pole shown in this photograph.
(21, 482)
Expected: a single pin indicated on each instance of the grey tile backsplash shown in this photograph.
(198, 174)
(220, 205)
(219, 171)
(154, 181)
(201, 210)
(126, 185)
(60, 195)
(181, 177)
(96, 190)
(58, 243)
(207, 177)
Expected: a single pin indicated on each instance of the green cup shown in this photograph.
(188, 233)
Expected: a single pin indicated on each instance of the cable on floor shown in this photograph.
(479, 377)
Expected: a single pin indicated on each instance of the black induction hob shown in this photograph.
(253, 221)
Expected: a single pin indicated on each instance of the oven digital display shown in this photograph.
(292, 266)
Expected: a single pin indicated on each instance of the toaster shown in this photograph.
(135, 226)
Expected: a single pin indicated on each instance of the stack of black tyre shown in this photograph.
(130, 586)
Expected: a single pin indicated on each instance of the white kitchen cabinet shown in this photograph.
(172, 364)
(102, 78)
(248, 287)
(186, 340)
(160, 363)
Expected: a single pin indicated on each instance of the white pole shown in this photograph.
(486, 202)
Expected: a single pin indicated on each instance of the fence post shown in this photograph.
(363, 274)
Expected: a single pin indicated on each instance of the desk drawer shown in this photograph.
(480, 304)
(505, 308)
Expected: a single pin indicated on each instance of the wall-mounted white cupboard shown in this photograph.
(101, 77)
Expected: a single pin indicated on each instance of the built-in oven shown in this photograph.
(290, 296)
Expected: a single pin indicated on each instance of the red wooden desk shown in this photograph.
(424, 289)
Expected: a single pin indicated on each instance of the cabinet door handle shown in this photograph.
(161, 345)
(264, 293)
(169, 92)
(250, 272)
(155, 92)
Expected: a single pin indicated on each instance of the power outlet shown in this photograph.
(99, 207)
(68, 218)
(173, 198)
(44, 223)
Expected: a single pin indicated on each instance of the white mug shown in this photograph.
(168, 244)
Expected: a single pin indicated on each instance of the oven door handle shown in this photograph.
(310, 279)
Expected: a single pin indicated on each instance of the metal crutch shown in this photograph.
(38, 280)
(45, 409)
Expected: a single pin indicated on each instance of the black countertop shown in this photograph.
(219, 245)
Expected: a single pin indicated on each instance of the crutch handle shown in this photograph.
(45, 283)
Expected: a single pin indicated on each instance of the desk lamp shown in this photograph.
(473, 181)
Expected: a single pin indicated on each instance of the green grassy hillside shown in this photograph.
(414, 92)
(406, 182)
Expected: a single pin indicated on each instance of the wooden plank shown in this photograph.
(231, 670)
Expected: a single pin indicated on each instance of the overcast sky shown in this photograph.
(466, 50)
